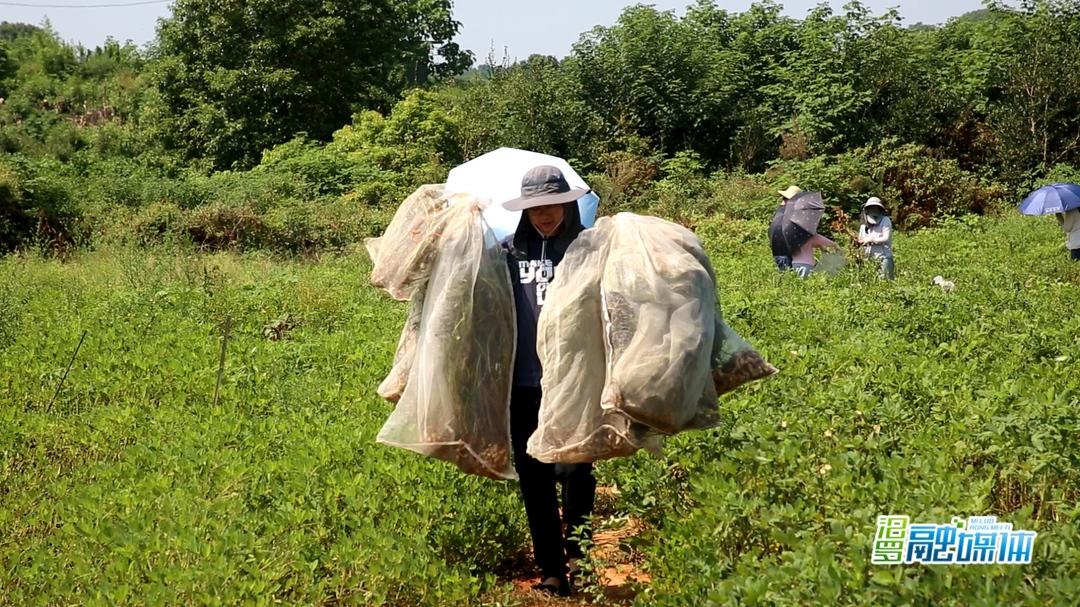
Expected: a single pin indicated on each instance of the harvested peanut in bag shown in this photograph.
(451, 372)
(642, 290)
(573, 427)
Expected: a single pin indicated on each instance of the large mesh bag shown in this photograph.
(573, 427)
(401, 264)
(632, 343)
(453, 402)
(393, 386)
(660, 321)
(403, 255)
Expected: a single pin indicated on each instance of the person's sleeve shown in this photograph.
(886, 232)
(824, 243)
(1070, 221)
(862, 234)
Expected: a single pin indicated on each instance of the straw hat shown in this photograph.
(791, 192)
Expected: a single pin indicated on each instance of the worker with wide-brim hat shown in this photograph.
(549, 223)
(875, 236)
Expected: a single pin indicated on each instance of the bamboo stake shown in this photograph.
(64, 376)
(221, 359)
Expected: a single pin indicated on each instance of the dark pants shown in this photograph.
(552, 544)
(1075, 253)
(783, 262)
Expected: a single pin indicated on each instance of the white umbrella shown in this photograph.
(496, 177)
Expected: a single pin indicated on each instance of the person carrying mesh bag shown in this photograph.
(550, 224)
(577, 395)
(427, 256)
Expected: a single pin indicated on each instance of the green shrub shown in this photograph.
(41, 207)
(845, 180)
(1059, 173)
(921, 185)
(416, 144)
(155, 223)
(322, 170)
(916, 184)
(221, 225)
(742, 196)
(626, 179)
(14, 221)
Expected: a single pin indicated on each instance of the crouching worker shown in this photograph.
(875, 234)
(780, 252)
(549, 223)
(803, 261)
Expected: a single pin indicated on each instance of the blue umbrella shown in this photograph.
(1054, 198)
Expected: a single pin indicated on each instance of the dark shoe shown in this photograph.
(553, 585)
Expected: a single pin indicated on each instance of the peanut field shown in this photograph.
(130, 485)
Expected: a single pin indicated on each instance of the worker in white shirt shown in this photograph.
(875, 236)
(1070, 223)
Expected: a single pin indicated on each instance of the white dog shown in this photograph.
(946, 285)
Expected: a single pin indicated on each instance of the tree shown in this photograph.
(7, 68)
(239, 76)
(657, 77)
(760, 39)
(826, 87)
(533, 104)
(10, 32)
(1013, 70)
(1039, 46)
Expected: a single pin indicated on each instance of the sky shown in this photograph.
(516, 28)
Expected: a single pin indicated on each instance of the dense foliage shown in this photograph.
(237, 77)
(942, 120)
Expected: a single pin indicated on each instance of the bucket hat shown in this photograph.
(541, 186)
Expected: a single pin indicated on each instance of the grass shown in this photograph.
(892, 398)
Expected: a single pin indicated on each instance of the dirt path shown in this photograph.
(618, 574)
